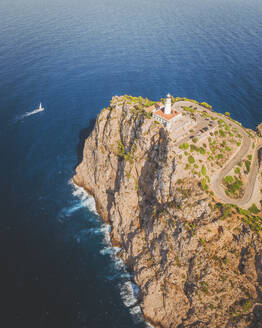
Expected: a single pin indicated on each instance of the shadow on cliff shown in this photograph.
(259, 154)
(83, 135)
(133, 133)
(150, 185)
(150, 177)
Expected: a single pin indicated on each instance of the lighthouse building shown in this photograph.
(166, 115)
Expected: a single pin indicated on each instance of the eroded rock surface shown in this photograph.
(259, 129)
(197, 263)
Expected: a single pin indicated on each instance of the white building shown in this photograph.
(166, 115)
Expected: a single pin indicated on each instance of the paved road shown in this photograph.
(216, 182)
(216, 179)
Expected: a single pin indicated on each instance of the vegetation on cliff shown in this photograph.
(197, 260)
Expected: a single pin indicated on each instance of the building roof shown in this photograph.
(153, 107)
(167, 117)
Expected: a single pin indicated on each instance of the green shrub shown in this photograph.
(204, 104)
(135, 183)
(204, 185)
(204, 170)
(202, 241)
(148, 115)
(148, 103)
(242, 211)
(202, 150)
(233, 184)
(195, 140)
(237, 170)
(122, 152)
(236, 185)
(189, 109)
(226, 209)
(139, 100)
(204, 285)
(227, 114)
(128, 174)
(254, 209)
(247, 305)
(254, 222)
(227, 128)
(191, 159)
(184, 146)
(121, 148)
(229, 179)
(222, 133)
(247, 164)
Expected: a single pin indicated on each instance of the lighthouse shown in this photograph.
(168, 105)
(166, 115)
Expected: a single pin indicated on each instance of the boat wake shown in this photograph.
(33, 112)
(38, 110)
(127, 288)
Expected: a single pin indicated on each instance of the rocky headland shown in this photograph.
(196, 259)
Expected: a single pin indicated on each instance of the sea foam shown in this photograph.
(128, 290)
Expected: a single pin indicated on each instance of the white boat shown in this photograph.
(40, 108)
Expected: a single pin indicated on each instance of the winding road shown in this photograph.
(217, 179)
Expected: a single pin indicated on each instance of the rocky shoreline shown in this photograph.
(198, 262)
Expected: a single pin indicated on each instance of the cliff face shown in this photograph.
(198, 263)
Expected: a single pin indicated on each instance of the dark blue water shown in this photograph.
(56, 269)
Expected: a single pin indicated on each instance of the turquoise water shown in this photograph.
(57, 267)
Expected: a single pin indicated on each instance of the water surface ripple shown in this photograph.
(57, 267)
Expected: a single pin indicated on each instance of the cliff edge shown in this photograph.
(197, 261)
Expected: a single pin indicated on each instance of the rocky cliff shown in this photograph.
(198, 262)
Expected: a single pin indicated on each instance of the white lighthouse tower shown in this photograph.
(168, 104)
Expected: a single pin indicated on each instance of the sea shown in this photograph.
(57, 266)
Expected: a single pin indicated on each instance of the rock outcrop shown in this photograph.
(198, 263)
(259, 129)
